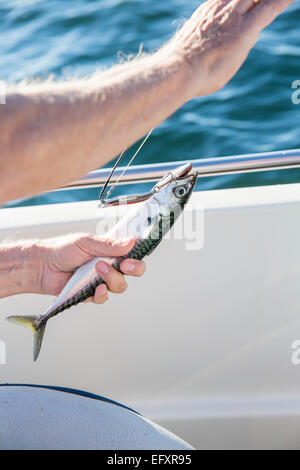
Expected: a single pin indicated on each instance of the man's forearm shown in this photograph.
(52, 134)
(17, 272)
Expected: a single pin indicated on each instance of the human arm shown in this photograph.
(53, 133)
(45, 266)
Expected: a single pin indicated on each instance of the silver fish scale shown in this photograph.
(85, 293)
(145, 246)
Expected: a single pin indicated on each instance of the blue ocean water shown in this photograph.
(253, 113)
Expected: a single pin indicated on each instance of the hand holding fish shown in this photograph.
(44, 267)
(64, 254)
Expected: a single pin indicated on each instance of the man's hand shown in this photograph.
(216, 40)
(45, 267)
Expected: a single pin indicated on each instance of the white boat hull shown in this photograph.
(203, 344)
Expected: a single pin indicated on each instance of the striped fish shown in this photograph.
(149, 221)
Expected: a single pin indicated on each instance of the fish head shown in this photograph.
(173, 195)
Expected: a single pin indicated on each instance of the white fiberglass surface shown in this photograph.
(208, 339)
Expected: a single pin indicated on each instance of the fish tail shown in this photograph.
(38, 331)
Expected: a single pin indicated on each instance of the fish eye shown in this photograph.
(180, 191)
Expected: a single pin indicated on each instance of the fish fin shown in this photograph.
(37, 341)
(26, 320)
(38, 332)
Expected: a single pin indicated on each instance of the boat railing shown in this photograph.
(205, 167)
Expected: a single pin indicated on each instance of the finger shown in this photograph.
(264, 12)
(101, 294)
(100, 246)
(115, 281)
(240, 6)
(132, 267)
(244, 6)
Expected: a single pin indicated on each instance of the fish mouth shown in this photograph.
(189, 178)
(182, 171)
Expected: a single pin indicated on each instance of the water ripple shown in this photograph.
(253, 113)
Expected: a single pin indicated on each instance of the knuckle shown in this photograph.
(108, 242)
(113, 246)
(116, 282)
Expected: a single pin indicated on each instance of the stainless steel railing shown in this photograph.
(205, 167)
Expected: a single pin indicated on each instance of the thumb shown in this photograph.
(100, 246)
